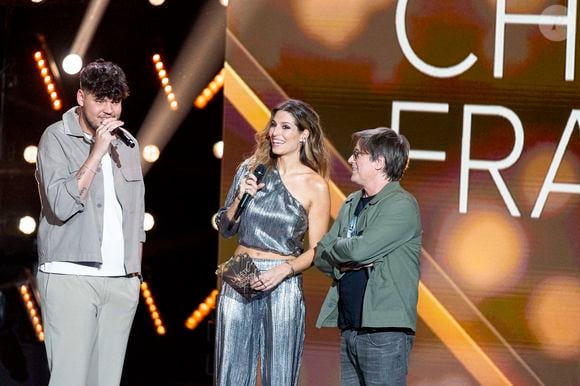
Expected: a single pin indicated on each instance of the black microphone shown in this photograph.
(123, 137)
(259, 173)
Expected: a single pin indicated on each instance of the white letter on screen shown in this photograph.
(419, 107)
(468, 164)
(549, 184)
(418, 63)
(501, 19)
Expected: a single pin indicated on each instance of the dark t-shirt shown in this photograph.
(352, 285)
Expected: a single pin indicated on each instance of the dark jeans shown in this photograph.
(374, 358)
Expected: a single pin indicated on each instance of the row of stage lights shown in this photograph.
(165, 83)
(196, 317)
(48, 79)
(73, 63)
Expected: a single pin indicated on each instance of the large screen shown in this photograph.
(486, 91)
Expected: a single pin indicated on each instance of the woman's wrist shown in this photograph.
(292, 271)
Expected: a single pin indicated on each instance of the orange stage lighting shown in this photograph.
(152, 308)
(210, 90)
(202, 311)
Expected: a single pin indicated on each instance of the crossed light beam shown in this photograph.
(200, 55)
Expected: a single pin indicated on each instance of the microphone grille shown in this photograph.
(260, 171)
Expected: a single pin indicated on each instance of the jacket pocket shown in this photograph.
(132, 174)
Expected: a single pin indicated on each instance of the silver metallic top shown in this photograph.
(272, 221)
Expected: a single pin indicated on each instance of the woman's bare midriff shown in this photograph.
(259, 254)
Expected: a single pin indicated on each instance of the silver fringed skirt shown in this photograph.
(268, 329)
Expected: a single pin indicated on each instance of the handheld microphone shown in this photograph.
(123, 137)
(259, 173)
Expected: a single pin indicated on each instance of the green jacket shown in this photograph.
(388, 235)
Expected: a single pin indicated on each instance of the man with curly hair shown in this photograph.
(90, 232)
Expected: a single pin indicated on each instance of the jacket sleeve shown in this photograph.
(323, 256)
(56, 179)
(322, 259)
(394, 223)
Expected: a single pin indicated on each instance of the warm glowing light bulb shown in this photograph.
(151, 153)
(27, 225)
(30, 154)
(72, 64)
(218, 149)
(148, 222)
(200, 102)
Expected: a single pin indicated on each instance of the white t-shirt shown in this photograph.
(113, 244)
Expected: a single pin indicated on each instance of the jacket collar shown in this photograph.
(384, 192)
(72, 125)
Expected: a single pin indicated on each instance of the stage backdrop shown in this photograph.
(487, 93)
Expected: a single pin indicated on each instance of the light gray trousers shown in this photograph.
(86, 320)
(270, 327)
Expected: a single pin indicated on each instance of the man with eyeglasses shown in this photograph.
(372, 254)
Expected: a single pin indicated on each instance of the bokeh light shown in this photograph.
(148, 221)
(218, 149)
(537, 162)
(335, 24)
(72, 64)
(151, 153)
(553, 313)
(27, 225)
(485, 250)
(30, 154)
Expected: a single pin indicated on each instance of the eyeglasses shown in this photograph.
(357, 153)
